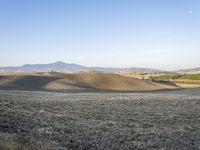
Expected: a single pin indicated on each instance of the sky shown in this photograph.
(160, 34)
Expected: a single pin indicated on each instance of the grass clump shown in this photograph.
(21, 143)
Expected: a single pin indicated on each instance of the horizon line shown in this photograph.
(99, 66)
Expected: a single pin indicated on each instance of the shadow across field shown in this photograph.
(190, 91)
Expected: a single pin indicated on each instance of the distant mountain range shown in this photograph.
(65, 67)
(193, 70)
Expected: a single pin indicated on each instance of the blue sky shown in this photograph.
(163, 34)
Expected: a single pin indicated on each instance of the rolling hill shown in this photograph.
(89, 82)
(70, 68)
(57, 66)
(191, 71)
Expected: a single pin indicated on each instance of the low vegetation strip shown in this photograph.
(182, 80)
(178, 77)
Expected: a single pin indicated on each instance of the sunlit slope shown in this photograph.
(79, 81)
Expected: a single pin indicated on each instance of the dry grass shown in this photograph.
(77, 82)
(21, 143)
(104, 121)
(185, 81)
(187, 85)
(139, 75)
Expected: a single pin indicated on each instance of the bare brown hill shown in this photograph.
(77, 82)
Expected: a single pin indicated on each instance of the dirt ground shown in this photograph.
(100, 120)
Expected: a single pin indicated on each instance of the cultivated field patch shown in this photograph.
(100, 120)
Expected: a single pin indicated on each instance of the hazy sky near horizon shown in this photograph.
(163, 34)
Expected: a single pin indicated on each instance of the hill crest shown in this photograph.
(60, 66)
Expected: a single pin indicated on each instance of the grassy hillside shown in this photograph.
(77, 82)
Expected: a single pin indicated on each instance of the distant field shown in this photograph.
(182, 80)
(191, 77)
(104, 121)
(79, 82)
(139, 75)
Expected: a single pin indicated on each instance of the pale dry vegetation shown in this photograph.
(139, 75)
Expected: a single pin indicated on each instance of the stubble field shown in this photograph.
(45, 120)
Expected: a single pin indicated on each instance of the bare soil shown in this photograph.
(101, 120)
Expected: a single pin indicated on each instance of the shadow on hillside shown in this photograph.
(182, 91)
(166, 83)
(38, 83)
(26, 82)
(66, 84)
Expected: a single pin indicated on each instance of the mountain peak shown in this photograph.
(60, 66)
(59, 62)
